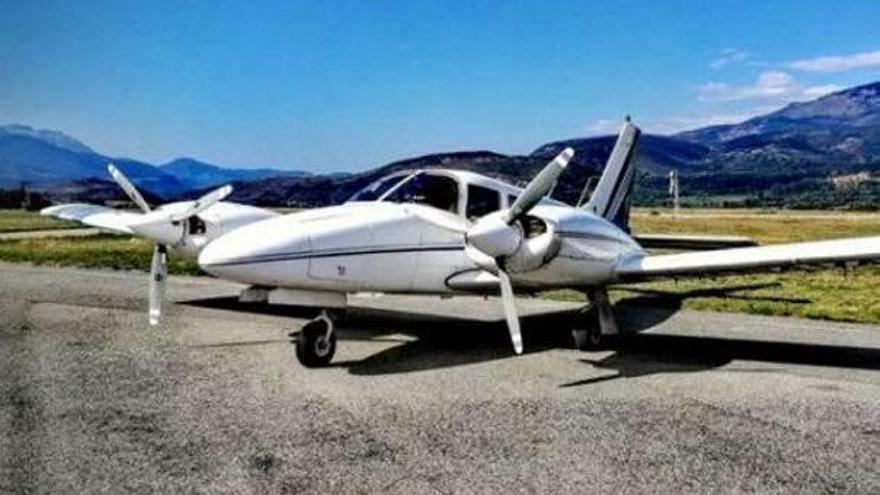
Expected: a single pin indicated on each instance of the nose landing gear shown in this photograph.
(316, 342)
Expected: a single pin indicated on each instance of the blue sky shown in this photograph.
(329, 86)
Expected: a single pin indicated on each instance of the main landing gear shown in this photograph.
(595, 327)
(316, 342)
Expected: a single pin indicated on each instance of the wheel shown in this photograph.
(586, 330)
(589, 338)
(314, 348)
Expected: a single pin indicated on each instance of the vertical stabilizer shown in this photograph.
(611, 198)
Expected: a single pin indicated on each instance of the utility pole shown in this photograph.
(673, 191)
(25, 197)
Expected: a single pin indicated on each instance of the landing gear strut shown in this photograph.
(316, 342)
(595, 327)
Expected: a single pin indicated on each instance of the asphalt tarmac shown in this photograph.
(424, 395)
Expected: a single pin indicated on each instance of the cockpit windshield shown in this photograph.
(438, 191)
(376, 189)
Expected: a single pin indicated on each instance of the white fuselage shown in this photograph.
(384, 247)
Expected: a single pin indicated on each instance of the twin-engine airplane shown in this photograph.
(436, 232)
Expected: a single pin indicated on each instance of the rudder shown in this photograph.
(611, 198)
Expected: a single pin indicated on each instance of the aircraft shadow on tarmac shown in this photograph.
(430, 342)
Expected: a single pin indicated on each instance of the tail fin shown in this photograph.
(611, 198)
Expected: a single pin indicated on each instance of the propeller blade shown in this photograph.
(539, 186)
(507, 298)
(158, 276)
(203, 203)
(128, 187)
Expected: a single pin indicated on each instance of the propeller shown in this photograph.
(158, 275)
(128, 187)
(498, 235)
(531, 196)
(540, 185)
(508, 300)
(163, 229)
(203, 203)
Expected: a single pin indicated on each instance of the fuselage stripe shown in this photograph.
(306, 255)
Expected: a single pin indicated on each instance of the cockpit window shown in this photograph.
(433, 190)
(481, 201)
(376, 189)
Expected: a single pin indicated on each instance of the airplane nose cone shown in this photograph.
(257, 253)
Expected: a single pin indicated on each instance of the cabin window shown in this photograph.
(438, 191)
(482, 201)
(510, 200)
(376, 189)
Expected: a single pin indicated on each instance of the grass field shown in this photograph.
(829, 294)
(765, 226)
(99, 251)
(20, 221)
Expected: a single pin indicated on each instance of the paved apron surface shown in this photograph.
(424, 395)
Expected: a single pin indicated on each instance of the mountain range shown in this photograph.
(792, 158)
(795, 156)
(62, 166)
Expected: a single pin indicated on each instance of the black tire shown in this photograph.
(586, 331)
(589, 338)
(313, 348)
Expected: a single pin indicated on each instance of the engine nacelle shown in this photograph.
(199, 230)
(538, 244)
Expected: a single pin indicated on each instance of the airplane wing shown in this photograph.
(692, 242)
(93, 215)
(749, 259)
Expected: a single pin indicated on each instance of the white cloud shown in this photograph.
(674, 124)
(837, 63)
(729, 56)
(605, 126)
(813, 92)
(671, 125)
(771, 85)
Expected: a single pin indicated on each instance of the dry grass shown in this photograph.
(765, 226)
